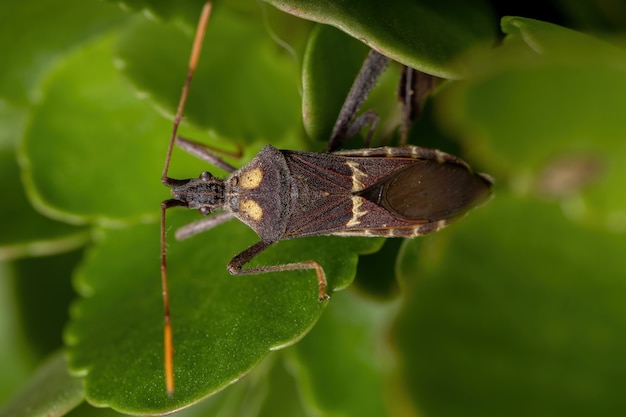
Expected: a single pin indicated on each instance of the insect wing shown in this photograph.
(322, 185)
(418, 184)
(406, 191)
(428, 190)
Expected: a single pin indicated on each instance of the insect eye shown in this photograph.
(204, 210)
(206, 176)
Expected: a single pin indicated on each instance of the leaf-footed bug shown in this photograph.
(404, 191)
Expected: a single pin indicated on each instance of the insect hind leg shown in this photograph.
(372, 68)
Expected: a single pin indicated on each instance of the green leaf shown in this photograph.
(283, 397)
(31, 42)
(51, 391)
(530, 325)
(223, 325)
(34, 294)
(548, 39)
(335, 68)
(42, 288)
(91, 137)
(544, 112)
(15, 360)
(425, 35)
(24, 231)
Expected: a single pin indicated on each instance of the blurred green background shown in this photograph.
(517, 310)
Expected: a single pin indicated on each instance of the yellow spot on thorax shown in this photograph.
(251, 209)
(251, 179)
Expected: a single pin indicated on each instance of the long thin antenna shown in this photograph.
(167, 329)
(193, 62)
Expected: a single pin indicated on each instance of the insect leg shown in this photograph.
(413, 89)
(193, 63)
(167, 319)
(202, 225)
(406, 93)
(368, 118)
(235, 266)
(202, 151)
(372, 68)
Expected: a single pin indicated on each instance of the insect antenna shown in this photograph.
(167, 329)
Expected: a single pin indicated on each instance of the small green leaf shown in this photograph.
(283, 398)
(91, 137)
(42, 288)
(16, 361)
(24, 231)
(51, 391)
(29, 53)
(425, 35)
(514, 311)
(557, 41)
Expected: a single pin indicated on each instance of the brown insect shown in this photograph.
(402, 191)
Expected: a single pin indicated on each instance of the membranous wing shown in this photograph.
(428, 190)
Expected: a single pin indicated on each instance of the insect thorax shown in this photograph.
(259, 194)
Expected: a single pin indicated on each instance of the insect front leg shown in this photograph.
(202, 151)
(200, 226)
(235, 266)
